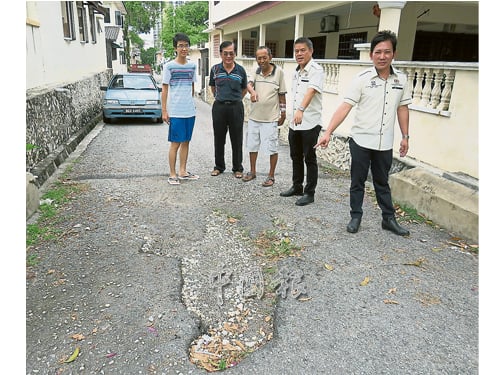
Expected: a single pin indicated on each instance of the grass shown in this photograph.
(45, 228)
(273, 247)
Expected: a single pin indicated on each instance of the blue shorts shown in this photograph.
(181, 129)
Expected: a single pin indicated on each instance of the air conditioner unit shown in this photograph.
(329, 24)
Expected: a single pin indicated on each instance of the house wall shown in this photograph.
(58, 119)
(51, 60)
(63, 79)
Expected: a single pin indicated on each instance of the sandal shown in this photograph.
(268, 182)
(173, 181)
(238, 174)
(189, 176)
(215, 172)
(249, 177)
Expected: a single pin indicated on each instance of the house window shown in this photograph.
(346, 45)
(118, 18)
(92, 26)
(122, 57)
(273, 46)
(248, 47)
(68, 20)
(107, 17)
(114, 54)
(82, 22)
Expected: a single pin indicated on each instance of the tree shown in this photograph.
(140, 18)
(148, 56)
(188, 18)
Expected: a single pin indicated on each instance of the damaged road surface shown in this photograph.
(217, 274)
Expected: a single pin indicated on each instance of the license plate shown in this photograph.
(132, 110)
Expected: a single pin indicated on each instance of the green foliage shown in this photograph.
(142, 15)
(136, 40)
(148, 56)
(188, 18)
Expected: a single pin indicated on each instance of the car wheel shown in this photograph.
(106, 120)
(159, 120)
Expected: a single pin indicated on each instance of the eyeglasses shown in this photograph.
(228, 53)
(183, 46)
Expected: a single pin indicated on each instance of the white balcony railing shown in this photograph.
(445, 103)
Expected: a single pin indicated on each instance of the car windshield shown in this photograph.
(133, 82)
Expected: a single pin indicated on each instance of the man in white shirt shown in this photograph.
(307, 87)
(381, 94)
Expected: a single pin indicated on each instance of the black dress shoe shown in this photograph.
(353, 225)
(294, 190)
(392, 225)
(305, 199)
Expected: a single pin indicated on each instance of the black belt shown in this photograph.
(228, 101)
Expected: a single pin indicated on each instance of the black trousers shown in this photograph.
(302, 150)
(230, 117)
(380, 163)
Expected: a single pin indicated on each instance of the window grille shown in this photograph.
(346, 45)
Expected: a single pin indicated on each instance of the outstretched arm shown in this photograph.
(337, 118)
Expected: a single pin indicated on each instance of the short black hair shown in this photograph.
(304, 40)
(382, 36)
(181, 37)
(224, 44)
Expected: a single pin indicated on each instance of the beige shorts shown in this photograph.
(262, 137)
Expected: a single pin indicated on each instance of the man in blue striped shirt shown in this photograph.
(178, 108)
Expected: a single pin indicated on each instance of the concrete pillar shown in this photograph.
(299, 26)
(262, 35)
(390, 15)
(240, 43)
(364, 51)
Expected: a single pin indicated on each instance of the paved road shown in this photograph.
(130, 280)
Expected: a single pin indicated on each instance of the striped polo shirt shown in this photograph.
(228, 86)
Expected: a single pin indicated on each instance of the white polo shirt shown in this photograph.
(377, 102)
(311, 77)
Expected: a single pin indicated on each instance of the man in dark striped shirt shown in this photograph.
(228, 82)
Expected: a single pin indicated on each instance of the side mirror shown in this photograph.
(104, 88)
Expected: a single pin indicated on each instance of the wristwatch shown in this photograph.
(300, 108)
(406, 136)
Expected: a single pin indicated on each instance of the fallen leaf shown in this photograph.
(418, 263)
(232, 220)
(365, 281)
(329, 267)
(267, 318)
(392, 291)
(110, 355)
(391, 302)
(304, 299)
(153, 330)
(73, 356)
(78, 336)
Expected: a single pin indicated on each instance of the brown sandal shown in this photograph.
(249, 177)
(238, 174)
(268, 182)
(215, 172)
